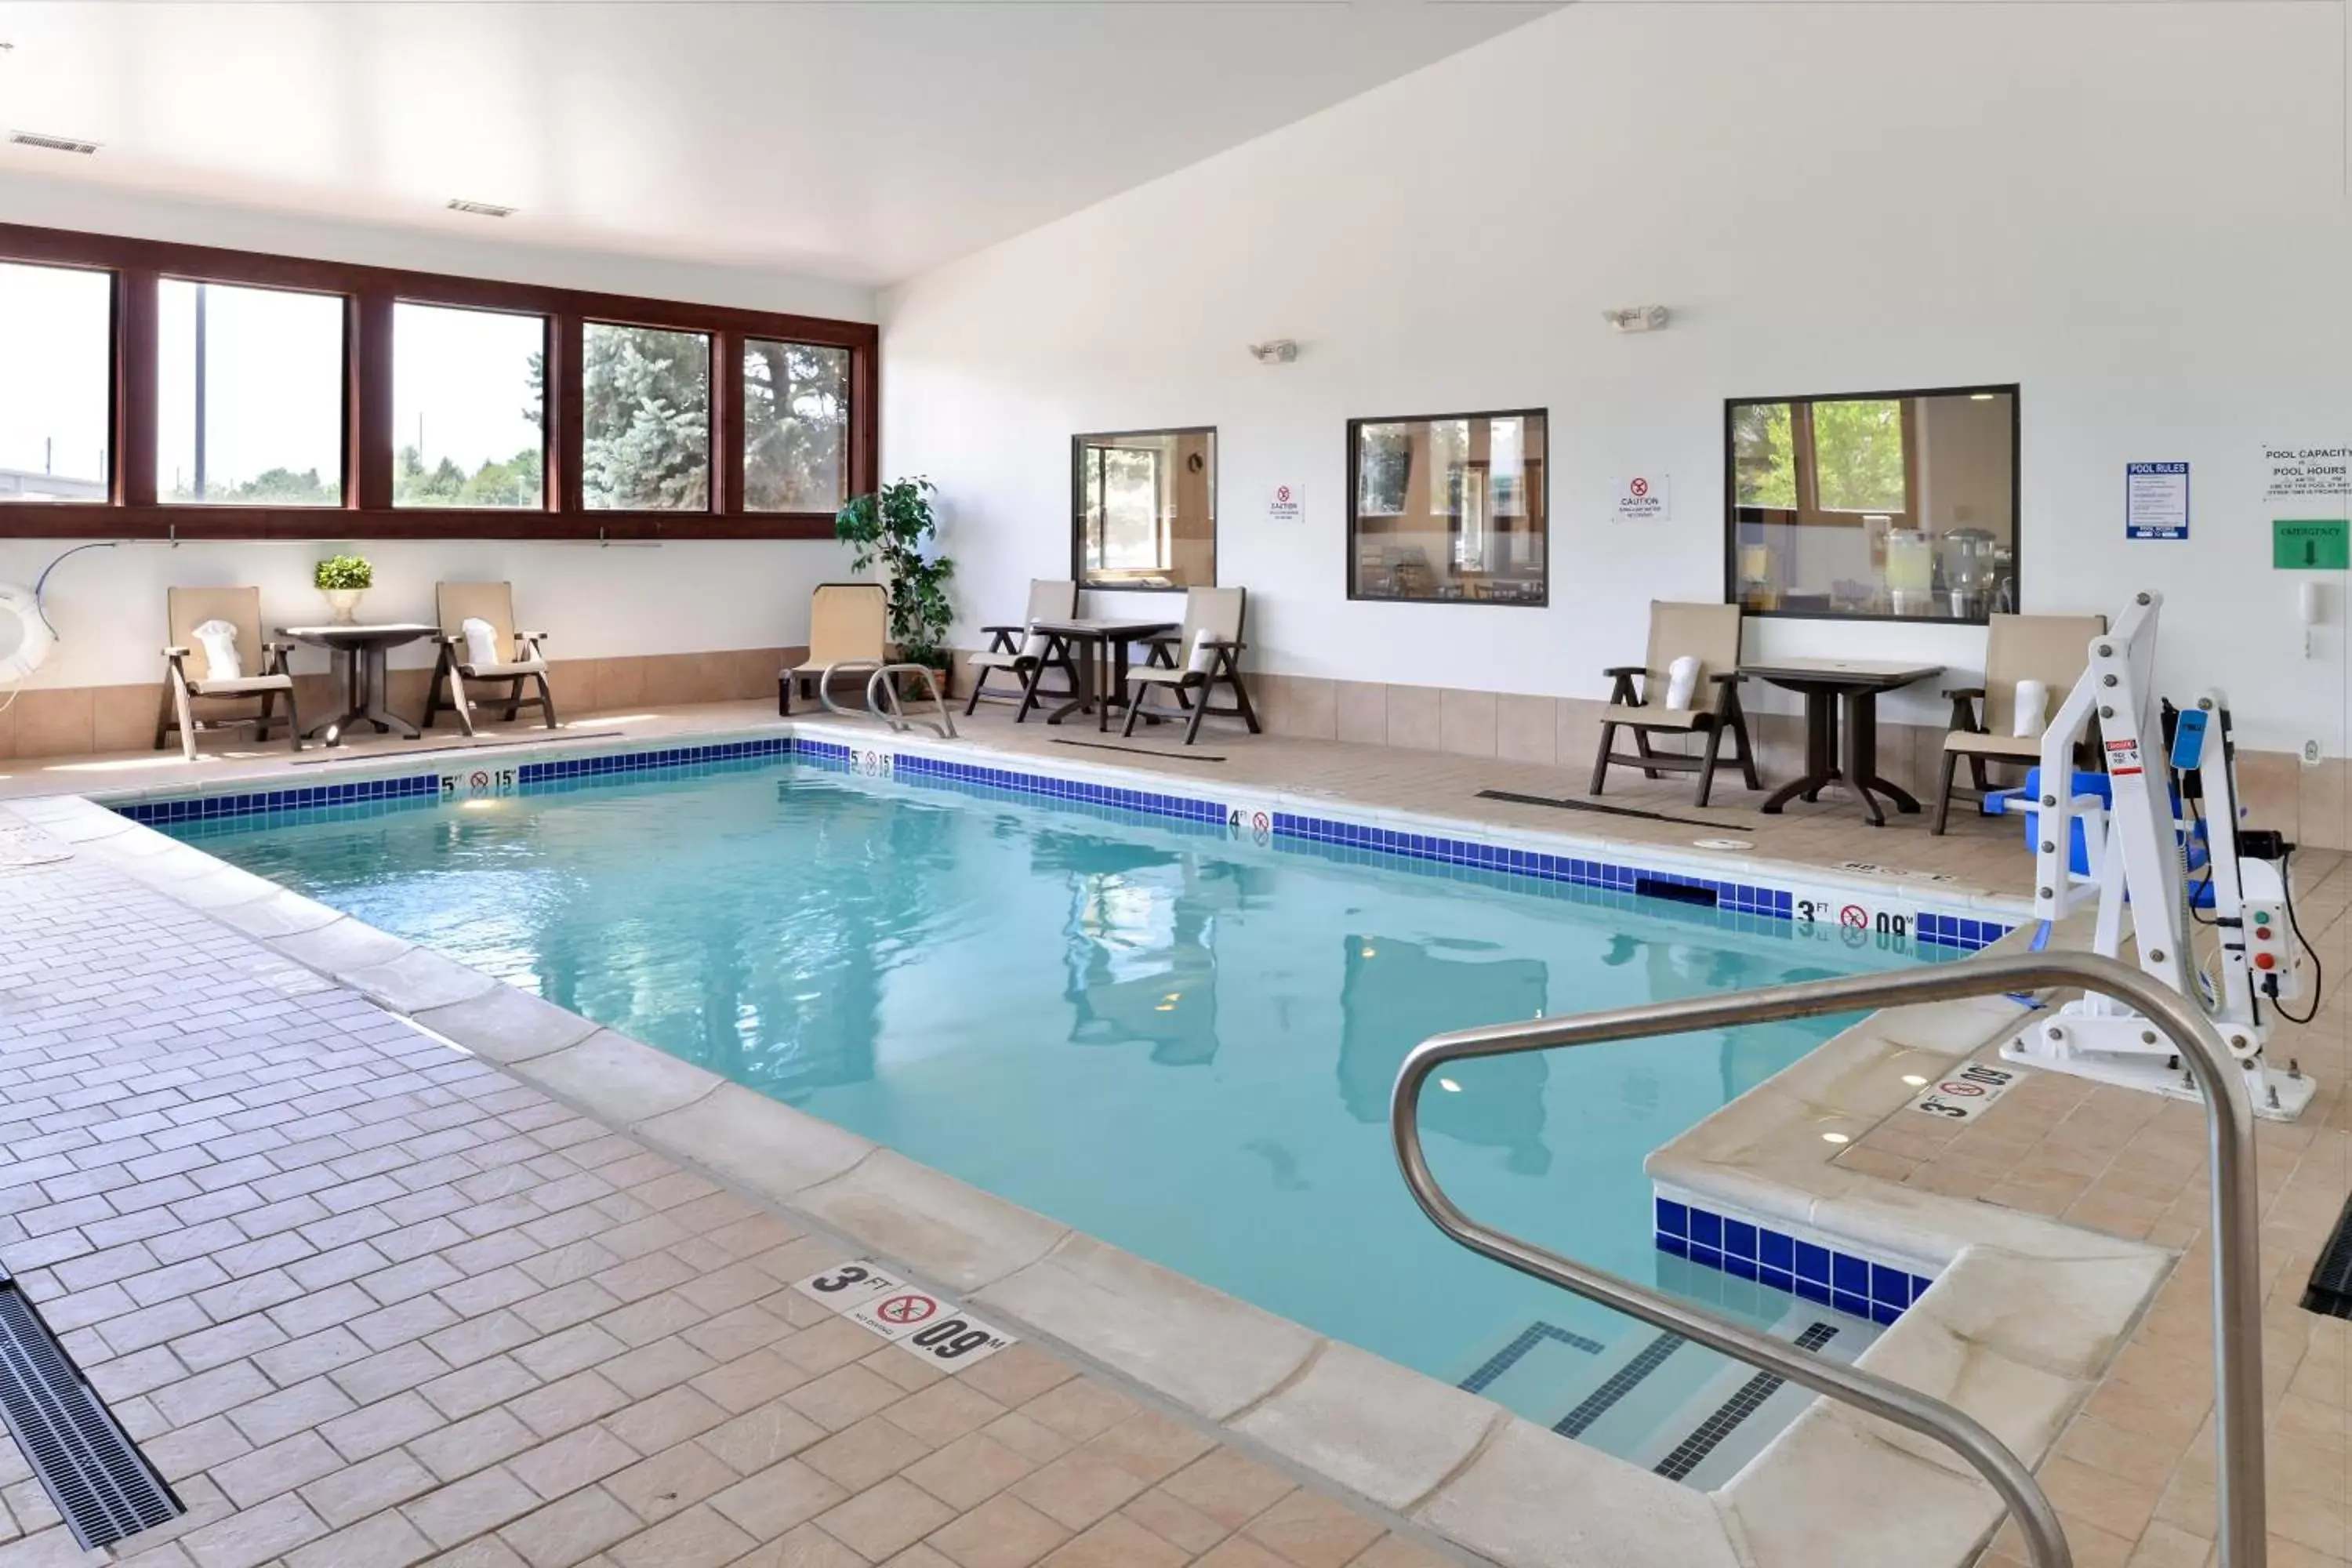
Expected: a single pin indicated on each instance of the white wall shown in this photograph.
(2137, 212)
(685, 596)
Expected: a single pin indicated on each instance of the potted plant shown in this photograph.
(891, 525)
(343, 578)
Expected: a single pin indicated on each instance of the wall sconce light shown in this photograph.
(1638, 318)
(1275, 351)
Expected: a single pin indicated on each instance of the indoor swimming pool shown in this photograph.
(1178, 1042)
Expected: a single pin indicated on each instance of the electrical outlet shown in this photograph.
(2311, 753)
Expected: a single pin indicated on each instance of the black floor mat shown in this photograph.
(1571, 803)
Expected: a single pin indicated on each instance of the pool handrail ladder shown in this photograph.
(882, 695)
(2236, 1215)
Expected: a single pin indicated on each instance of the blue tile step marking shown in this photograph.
(255, 803)
(1851, 1284)
(1510, 1356)
(1744, 1401)
(1618, 1384)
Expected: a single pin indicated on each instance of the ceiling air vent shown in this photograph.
(479, 209)
(52, 143)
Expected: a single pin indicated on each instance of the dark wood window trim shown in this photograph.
(132, 511)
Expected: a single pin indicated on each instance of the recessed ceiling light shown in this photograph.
(479, 209)
(1449, 1086)
(1914, 1080)
(1835, 1138)
(52, 143)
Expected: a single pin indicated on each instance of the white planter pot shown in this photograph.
(344, 603)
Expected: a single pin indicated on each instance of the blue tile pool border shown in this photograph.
(1748, 1249)
(1754, 899)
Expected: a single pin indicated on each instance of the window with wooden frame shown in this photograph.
(1885, 504)
(190, 393)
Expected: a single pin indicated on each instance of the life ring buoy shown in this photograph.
(24, 637)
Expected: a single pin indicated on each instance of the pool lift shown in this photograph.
(2139, 845)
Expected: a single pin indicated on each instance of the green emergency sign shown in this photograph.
(2323, 545)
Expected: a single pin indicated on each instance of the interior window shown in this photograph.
(1145, 508)
(1449, 508)
(1874, 505)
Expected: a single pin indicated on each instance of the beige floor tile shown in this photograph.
(810, 1547)
(1228, 1487)
(968, 1471)
(1002, 1533)
(772, 1502)
(857, 1456)
(1312, 1530)
(698, 1538)
(573, 1530)
(884, 1519)
(670, 1482)
(1078, 1489)
(1117, 1542)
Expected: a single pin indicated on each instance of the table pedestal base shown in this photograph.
(364, 676)
(1858, 770)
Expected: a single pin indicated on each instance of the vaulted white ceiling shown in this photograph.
(863, 141)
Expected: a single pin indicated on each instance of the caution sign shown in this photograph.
(2123, 758)
(1646, 498)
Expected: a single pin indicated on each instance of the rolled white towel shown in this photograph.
(1033, 645)
(1203, 659)
(222, 662)
(1682, 682)
(481, 641)
(2032, 710)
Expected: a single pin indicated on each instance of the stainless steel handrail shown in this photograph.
(882, 698)
(2230, 1125)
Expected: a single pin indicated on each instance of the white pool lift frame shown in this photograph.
(2136, 852)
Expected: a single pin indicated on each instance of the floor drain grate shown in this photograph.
(2329, 1292)
(95, 1474)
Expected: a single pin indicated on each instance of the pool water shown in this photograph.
(1179, 1043)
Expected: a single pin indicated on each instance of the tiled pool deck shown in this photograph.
(367, 1300)
(2131, 1474)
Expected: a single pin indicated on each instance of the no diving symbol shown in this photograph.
(906, 1310)
(1956, 1087)
(1261, 823)
(478, 778)
(1639, 487)
(1282, 493)
(1854, 917)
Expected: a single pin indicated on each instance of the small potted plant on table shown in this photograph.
(343, 578)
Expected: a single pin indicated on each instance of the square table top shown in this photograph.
(360, 631)
(1103, 625)
(1882, 673)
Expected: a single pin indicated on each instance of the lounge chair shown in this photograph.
(2050, 649)
(848, 623)
(478, 642)
(1194, 662)
(1708, 634)
(217, 652)
(1021, 651)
